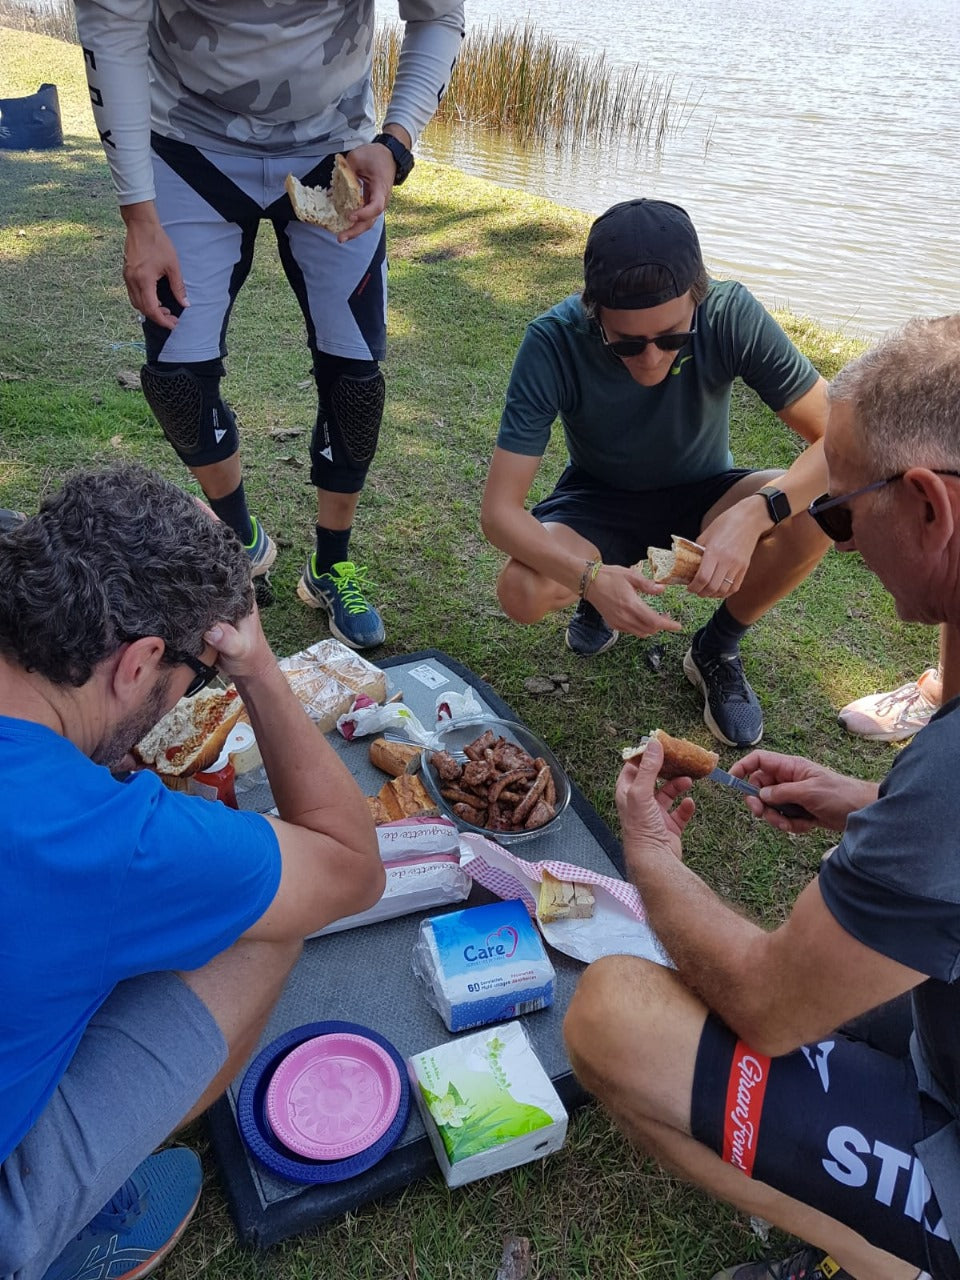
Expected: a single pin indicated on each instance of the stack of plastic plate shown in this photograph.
(324, 1102)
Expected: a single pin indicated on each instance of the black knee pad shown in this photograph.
(345, 437)
(185, 399)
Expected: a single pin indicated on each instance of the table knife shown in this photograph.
(748, 789)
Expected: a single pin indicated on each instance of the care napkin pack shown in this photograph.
(483, 964)
(487, 1103)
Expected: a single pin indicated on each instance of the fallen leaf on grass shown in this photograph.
(128, 380)
(287, 433)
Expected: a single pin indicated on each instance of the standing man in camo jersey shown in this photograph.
(203, 109)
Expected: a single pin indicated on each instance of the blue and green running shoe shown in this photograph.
(341, 592)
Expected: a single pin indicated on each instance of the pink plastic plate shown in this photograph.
(333, 1096)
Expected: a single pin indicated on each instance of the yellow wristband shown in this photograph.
(590, 570)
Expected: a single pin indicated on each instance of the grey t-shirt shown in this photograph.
(893, 883)
(634, 437)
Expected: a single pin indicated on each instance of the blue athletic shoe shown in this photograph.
(340, 591)
(262, 550)
(731, 710)
(134, 1232)
(587, 633)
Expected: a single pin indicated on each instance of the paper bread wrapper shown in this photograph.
(618, 925)
(328, 676)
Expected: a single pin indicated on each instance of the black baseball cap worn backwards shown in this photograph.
(641, 233)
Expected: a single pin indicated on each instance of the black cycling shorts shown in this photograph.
(622, 523)
(832, 1125)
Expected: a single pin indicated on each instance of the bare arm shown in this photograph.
(331, 866)
(772, 989)
(509, 525)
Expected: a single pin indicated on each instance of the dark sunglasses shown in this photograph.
(834, 516)
(205, 674)
(628, 347)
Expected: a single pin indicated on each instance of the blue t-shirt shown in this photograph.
(101, 881)
(633, 437)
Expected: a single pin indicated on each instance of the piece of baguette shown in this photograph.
(192, 735)
(327, 207)
(678, 565)
(395, 758)
(401, 797)
(681, 758)
(564, 900)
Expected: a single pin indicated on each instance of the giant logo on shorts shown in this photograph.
(749, 1073)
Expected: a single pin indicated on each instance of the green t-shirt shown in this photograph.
(634, 437)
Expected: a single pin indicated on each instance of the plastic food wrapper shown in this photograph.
(422, 864)
(458, 707)
(365, 717)
(618, 926)
(487, 1103)
(328, 677)
(483, 964)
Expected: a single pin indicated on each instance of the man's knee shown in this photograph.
(627, 1020)
(523, 595)
(351, 395)
(185, 399)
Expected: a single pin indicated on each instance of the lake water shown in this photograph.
(820, 154)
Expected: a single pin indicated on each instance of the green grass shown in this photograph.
(470, 265)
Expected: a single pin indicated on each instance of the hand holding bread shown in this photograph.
(681, 757)
(331, 207)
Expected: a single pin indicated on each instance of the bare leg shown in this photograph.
(336, 510)
(240, 988)
(219, 479)
(780, 562)
(632, 1032)
(527, 596)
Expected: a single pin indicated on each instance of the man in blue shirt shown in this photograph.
(639, 369)
(146, 934)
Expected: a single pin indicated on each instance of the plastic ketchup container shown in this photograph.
(217, 782)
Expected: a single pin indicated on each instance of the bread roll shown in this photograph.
(395, 758)
(678, 565)
(327, 207)
(681, 758)
(192, 735)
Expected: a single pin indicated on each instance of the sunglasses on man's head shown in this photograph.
(834, 515)
(627, 347)
(204, 673)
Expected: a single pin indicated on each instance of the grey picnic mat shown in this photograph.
(364, 976)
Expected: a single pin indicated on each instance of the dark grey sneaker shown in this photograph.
(587, 633)
(808, 1263)
(731, 710)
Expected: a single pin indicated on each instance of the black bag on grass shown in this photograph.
(32, 123)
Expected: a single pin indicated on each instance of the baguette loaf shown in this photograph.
(401, 797)
(395, 758)
(192, 734)
(681, 758)
(327, 207)
(564, 900)
(679, 564)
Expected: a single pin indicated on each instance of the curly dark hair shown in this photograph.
(112, 556)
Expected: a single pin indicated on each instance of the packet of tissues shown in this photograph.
(483, 964)
(487, 1104)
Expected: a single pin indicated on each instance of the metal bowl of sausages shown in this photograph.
(497, 778)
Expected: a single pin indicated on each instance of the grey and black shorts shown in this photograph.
(147, 1055)
(211, 205)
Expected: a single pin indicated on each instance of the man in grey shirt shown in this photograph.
(203, 110)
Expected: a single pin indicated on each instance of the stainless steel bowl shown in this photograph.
(456, 736)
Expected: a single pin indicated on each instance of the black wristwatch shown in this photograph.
(403, 158)
(778, 504)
